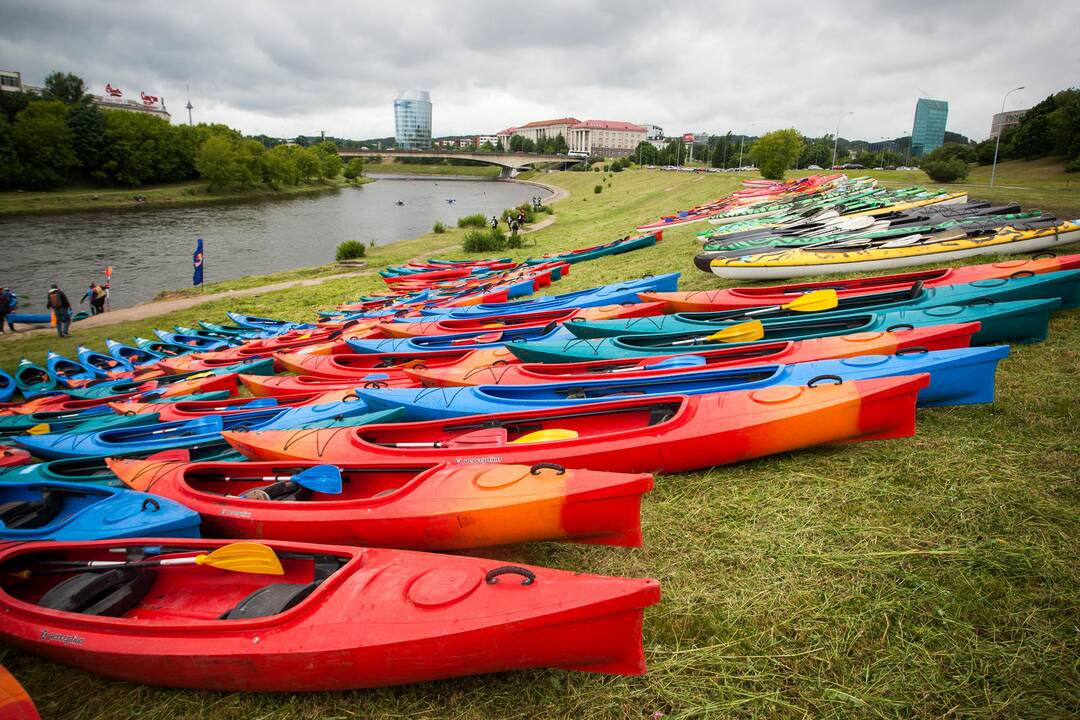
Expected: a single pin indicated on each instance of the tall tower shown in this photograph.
(928, 130)
(189, 105)
(412, 120)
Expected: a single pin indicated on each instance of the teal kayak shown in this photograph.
(47, 422)
(1064, 286)
(1021, 321)
(94, 471)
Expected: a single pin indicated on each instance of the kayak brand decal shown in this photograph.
(236, 513)
(491, 459)
(61, 638)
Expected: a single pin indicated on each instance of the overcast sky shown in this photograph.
(289, 68)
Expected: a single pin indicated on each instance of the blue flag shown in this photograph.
(197, 262)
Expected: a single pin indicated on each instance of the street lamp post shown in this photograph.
(997, 143)
(836, 137)
(742, 140)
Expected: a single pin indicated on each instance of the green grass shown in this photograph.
(927, 577)
(491, 171)
(187, 193)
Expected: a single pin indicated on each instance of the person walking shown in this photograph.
(494, 223)
(5, 308)
(60, 305)
(521, 218)
(13, 304)
(89, 295)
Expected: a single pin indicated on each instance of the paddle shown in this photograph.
(815, 301)
(487, 436)
(546, 436)
(245, 557)
(742, 332)
(324, 479)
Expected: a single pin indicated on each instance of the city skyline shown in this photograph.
(287, 75)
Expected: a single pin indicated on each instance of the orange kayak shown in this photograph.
(438, 507)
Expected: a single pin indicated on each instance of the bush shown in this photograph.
(484, 241)
(598, 189)
(354, 168)
(350, 250)
(606, 167)
(596, 169)
(1074, 166)
(477, 221)
(514, 241)
(438, 228)
(530, 214)
(946, 171)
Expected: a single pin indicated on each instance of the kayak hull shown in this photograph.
(425, 617)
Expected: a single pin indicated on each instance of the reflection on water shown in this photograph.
(150, 250)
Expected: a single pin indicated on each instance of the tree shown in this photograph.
(329, 160)
(645, 153)
(499, 145)
(87, 123)
(946, 170)
(248, 163)
(308, 163)
(215, 162)
(10, 168)
(12, 103)
(280, 166)
(561, 148)
(776, 151)
(142, 149)
(354, 168)
(65, 87)
(1033, 138)
(43, 142)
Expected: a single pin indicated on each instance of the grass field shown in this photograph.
(927, 577)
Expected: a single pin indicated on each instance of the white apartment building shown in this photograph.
(607, 138)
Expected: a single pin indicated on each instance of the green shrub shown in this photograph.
(438, 227)
(484, 241)
(514, 241)
(596, 169)
(478, 221)
(606, 167)
(946, 171)
(1074, 166)
(530, 214)
(598, 189)
(350, 250)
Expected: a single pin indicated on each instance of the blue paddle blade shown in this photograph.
(321, 479)
(677, 361)
(260, 403)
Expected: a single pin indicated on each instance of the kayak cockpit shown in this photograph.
(129, 583)
(277, 484)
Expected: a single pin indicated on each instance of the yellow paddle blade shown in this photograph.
(743, 332)
(40, 429)
(814, 301)
(200, 375)
(246, 557)
(547, 436)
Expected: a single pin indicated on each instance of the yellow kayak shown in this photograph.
(916, 250)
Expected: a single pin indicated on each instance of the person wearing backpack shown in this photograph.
(5, 308)
(60, 305)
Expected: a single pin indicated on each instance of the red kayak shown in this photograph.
(935, 337)
(13, 456)
(441, 507)
(355, 366)
(747, 297)
(533, 319)
(337, 617)
(192, 409)
(665, 434)
(248, 351)
(285, 385)
(15, 703)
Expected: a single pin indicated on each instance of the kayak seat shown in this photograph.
(660, 413)
(282, 491)
(30, 514)
(270, 600)
(107, 594)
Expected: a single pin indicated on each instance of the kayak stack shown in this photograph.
(847, 225)
(267, 505)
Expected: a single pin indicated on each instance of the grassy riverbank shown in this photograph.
(156, 196)
(918, 578)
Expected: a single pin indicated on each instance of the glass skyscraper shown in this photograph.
(412, 120)
(928, 132)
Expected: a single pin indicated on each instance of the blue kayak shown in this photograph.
(277, 327)
(481, 340)
(69, 372)
(199, 433)
(957, 377)
(41, 318)
(1062, 286)
(101, 362)
(616, 293)
(1021, 321)
(7, 387)
(37, 510)
(96, 418)
(134, 356)
(196, 342)
(164, 348)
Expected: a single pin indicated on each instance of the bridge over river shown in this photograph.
(510, 162)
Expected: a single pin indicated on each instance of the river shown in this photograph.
(150, 249)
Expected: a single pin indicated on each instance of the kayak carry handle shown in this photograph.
(1022, 273)
(1044, 254)
(492, 576)
(371, 384)
(914, 350)
(152, 503)
(350, 398)
(559, 469)
(821, 378)
(980, 301)
(900, 326)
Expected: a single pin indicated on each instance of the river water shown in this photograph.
(150, 250)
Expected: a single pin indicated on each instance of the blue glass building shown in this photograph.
(412, 120)
(928, 132)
